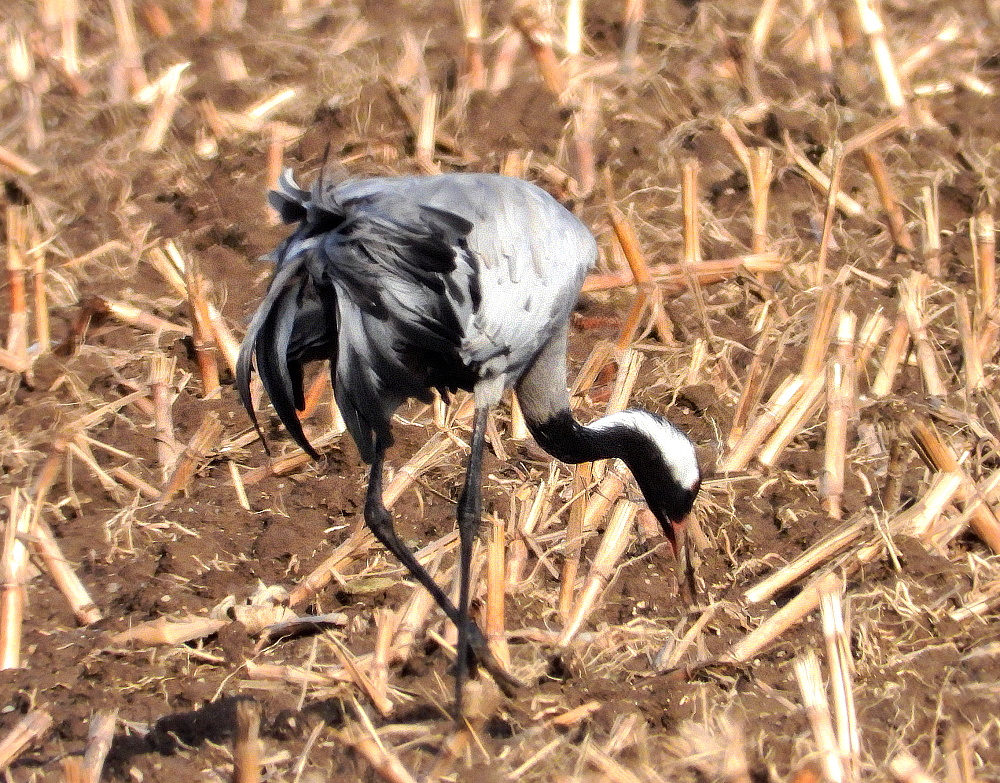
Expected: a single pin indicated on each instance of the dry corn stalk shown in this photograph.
(838, 651)
(890, 200)
(840, 403)
(777, 408)
(982, 519)
(202, 336)
(169, 632)
(539, 40)
(573, 543)
(874, 30)
(806, 406)
(646, 289)
(895, 352)
(17, 319)
(984, 242)
(471, 15)
(385, 764)
(914, 519)
(613, 544)
(161, 372)
(30, 728)
(100, 735)
(818, 711)
(17, 164)
(204, 440)
(975, 377)
(13, 578)
(246, 743)
(931, 228)
(913, 298)
(165, 106)
(47, 549)
(784, 618)
(496, 585)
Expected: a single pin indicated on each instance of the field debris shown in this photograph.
(795, 205)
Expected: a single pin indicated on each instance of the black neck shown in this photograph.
(567, 440)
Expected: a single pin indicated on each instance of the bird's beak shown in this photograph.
(679, 540)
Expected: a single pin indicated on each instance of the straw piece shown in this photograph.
(204, 440)
(573, 543)
(874, 30)
(913, 294)
(762, 28)
(906, 769)
(358, 542)
(784, 618)
(539, 40)
(13, 579)
(43, 333)
(470, 13)
(808, 404)
(818, 711)
(529, 518)
(30, 728)
(613, 544)
(132, 481)
(635, 12)
(982, 519)
(691, 235)
(426, 132)
(869, 336)
(412, 618)
(829, 302)
(246, 743)
(838, 652)
(931, 230)
(156, 19)
(585, 122)
(385, 764)
(496, 583)
(378, 663)
(647, 291)
(820, 181)
(99, 738)
(164, 108)
(165, 631)
(890, 200)
(161, 372)
(47, 548)
(17, 319)
(777, 409)
(984, 242)
(17, 164)
(895, 352)
(761, 173)
(203, 337)
(975, 377)
(840, 403)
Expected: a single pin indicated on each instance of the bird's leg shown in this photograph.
(470, 511)
(380, 523)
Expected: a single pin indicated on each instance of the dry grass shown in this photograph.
(824, 323)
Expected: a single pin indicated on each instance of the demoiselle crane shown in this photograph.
(456, 281)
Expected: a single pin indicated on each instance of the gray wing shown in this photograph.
(531, 255)
(410, 283)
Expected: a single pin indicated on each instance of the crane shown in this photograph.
(454, 281)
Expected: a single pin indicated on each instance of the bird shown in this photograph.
(408, 284)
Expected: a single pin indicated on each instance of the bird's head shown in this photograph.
(663, 461)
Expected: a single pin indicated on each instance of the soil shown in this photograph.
(923, 681)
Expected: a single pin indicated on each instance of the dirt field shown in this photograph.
(113, 164)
